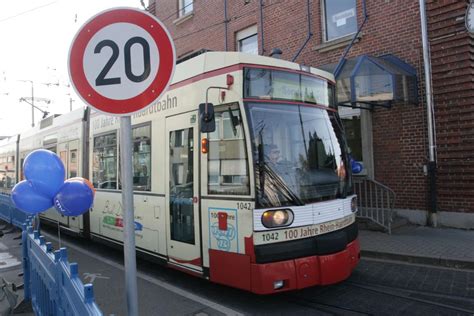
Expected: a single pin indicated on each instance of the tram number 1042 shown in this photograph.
(284, 235)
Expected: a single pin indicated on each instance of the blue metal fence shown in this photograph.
(50, 281)
(9, 213)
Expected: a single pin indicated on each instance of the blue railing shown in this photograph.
(9, 213)
(50, 281)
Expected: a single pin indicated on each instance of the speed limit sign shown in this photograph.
(121, 61)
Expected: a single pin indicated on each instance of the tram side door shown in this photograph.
(62, 151)
(73, 170)
(68, 152)
(182, 209)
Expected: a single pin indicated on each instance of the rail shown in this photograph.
(375, 202)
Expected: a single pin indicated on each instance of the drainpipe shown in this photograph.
(225, 26)
(338, 68)
(433, 207)
(309, 33)
(262, 51)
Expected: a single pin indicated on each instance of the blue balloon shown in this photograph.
(74, 198)
(27, 199)
(356, 167)
(45, 171)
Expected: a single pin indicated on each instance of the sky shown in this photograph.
(35, 39)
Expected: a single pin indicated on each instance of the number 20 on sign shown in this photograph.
(121, 61)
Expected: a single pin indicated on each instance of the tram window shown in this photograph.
(227, 157)
(141, 158)
(63, 157)
(73, 163)
(7, 172)
(181, 168)
(104, 167)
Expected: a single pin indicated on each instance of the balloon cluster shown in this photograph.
(45, 187)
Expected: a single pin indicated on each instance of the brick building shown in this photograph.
(391, 141)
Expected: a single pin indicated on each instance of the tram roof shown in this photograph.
(211, 61)
(8, 140)
(203, 63)
(59, 120)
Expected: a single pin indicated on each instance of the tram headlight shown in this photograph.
(354, 204)
(277, 218)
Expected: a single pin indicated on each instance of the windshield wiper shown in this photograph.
(282, 186)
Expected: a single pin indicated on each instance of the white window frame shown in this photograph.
(183, 9)
(324, 23)
(244, 34)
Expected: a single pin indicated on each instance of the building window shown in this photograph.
(340, 18)
(185, 7)
(247, 41)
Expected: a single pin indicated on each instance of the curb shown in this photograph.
(440, 262)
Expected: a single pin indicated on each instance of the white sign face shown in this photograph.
(121, 61)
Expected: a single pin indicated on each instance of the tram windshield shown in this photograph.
(299, 154)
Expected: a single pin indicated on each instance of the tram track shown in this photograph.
(330, 309)
(429, 297)
(447, 303)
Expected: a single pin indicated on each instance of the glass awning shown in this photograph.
(366, 81)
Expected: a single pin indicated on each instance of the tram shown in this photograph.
(240, 173)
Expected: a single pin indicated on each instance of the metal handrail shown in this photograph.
(376, 202)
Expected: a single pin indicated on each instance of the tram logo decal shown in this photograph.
(223, 233)
(118, 222)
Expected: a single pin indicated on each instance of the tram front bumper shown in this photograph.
(305, 272)
(266, 278)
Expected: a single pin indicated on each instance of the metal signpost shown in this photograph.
(121, 61)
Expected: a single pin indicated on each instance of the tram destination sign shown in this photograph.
(121, 61)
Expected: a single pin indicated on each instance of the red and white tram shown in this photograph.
(264, 202)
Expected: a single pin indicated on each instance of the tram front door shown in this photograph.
(182, 214)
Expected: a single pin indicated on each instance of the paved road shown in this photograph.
(376, 288)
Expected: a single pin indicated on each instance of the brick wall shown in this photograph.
(393, 26)
(452, 53)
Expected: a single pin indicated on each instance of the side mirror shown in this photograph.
(206, 115)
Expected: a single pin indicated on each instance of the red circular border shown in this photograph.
(165, 70)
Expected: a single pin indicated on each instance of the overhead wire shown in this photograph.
(27, 11)
(218, 23)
